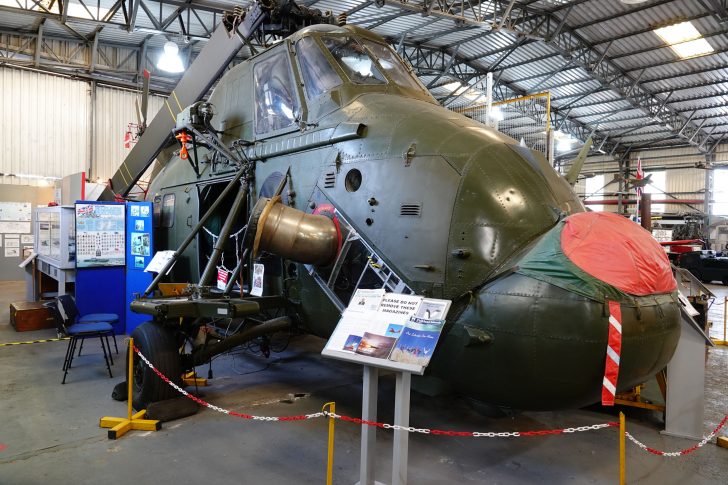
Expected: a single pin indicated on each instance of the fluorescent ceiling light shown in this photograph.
(564, 145)
(496, 114)
(452, 86)
(693, 48)
(684, 39)
(170, 61)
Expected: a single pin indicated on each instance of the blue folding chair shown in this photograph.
(68, 306)
(80, 331)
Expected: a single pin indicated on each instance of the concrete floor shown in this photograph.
(49, 432)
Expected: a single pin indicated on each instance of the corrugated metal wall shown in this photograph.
(682, 178)
(44, 127)
(45, 130)
(115, 109)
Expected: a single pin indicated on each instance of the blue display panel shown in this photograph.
(100, 270)
(139, 252)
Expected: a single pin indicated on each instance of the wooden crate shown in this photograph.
(30, 315)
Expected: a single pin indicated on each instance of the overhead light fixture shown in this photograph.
(564, 141)
(564, 145)
(170, 60)
(633, 2)
(685, 40)
(496, 114)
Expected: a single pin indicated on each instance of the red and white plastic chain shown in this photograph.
(410, 429)
(686, 451)
(474, 434)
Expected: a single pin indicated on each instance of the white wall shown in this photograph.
(45, 127)
(690, 181)
(115, 109)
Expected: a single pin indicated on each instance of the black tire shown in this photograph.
(160, 347)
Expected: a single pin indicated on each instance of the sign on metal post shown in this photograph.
(389, 331)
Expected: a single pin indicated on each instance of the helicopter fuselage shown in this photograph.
(428, 201)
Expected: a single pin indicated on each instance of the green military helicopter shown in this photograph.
(325, 160)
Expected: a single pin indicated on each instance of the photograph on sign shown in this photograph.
(366, 300)
(352, 342)
(12, 252)
(257, 288)
(417, 342)
(375, 345)
(26, 239)
(432, 309)
(140, 244)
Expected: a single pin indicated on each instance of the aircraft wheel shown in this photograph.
(159, 346)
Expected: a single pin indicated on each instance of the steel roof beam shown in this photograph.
(625, 13)
(470, 75)
(719, 9)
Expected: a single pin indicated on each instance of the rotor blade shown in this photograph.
(138, 112)
(145, 97)
(578, 162)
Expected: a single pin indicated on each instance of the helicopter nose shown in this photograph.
(601, 254)
(547, 321)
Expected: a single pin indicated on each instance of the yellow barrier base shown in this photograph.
(191, 379)
(722, 441)
(721, 342)
(119, 426)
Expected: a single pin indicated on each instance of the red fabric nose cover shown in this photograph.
(617, 251)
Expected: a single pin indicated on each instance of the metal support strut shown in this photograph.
(196, 229)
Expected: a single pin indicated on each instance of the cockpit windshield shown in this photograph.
(354, 60)
(361, 60)
(318, 75)
(392, 66)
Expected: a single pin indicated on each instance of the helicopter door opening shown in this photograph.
(207, 238)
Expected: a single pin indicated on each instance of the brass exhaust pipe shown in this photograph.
(293, 234)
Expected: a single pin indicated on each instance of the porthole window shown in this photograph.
(352, 182)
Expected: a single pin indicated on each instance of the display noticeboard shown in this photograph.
(388, 330)
(100, 235)
(15, 211)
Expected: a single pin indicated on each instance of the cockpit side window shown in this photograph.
(354, 60)
(275, 96)
(318, 75)
(391, 64)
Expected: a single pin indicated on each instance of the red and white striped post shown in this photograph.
(614, 350)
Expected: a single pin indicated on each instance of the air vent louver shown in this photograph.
(414, 210)
(330, 180)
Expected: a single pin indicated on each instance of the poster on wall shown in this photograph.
(14, 227)
(99, 235)
(15, 211)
